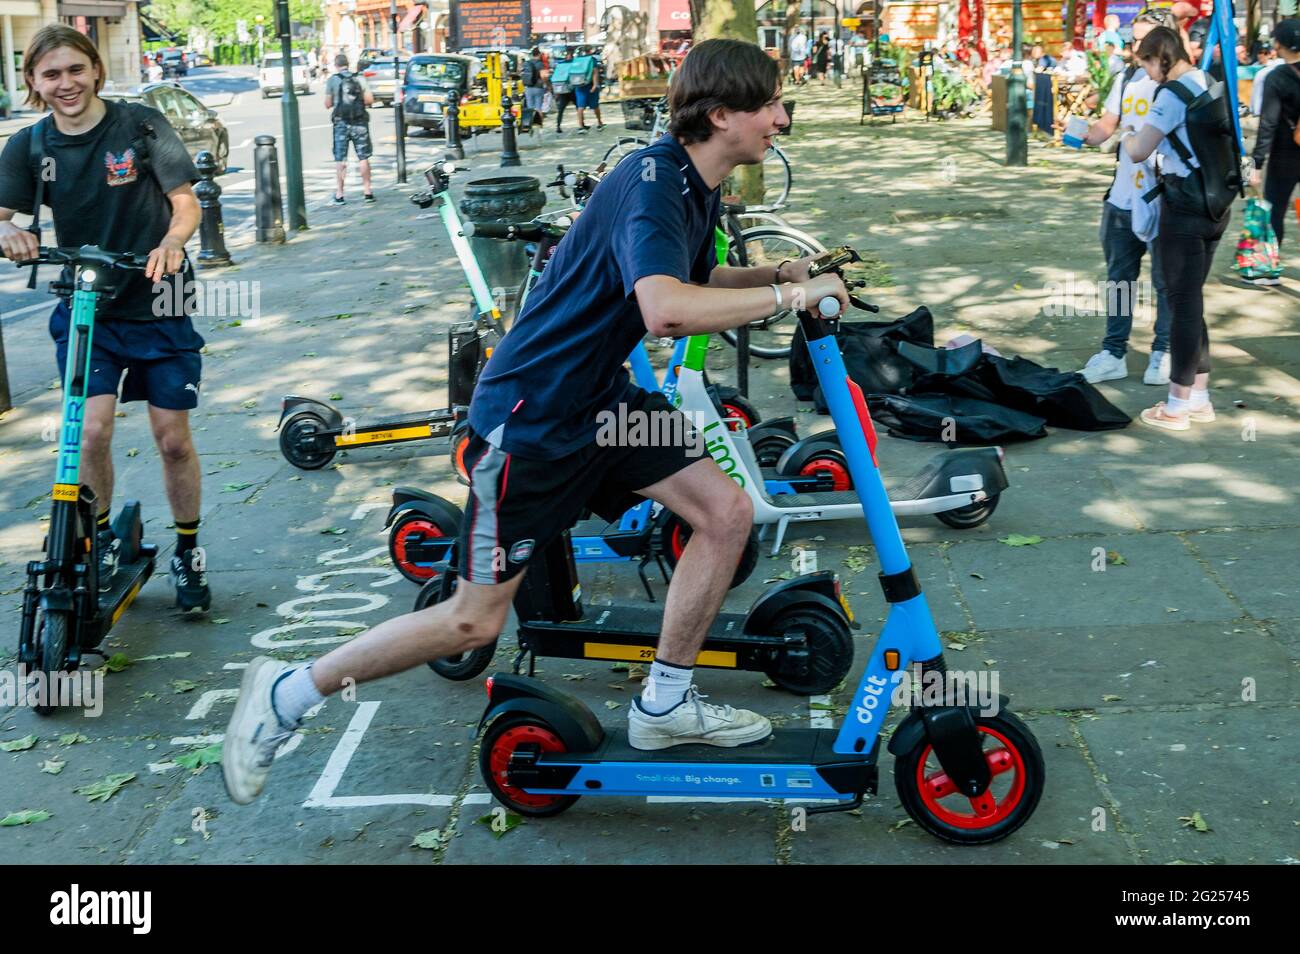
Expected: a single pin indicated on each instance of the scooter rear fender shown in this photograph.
(576, 725)
(293, 403)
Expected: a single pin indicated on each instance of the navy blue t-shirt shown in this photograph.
(562, 362)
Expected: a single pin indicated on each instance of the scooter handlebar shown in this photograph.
(511, 232)
(87, 256)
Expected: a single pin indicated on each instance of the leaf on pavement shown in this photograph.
(1194, 820)
(183, 685)
(25, 817)
(431, 839)
(512, 821)
(235, 488)
(117, 662)
(1115, 559)
(72, 738)
(106, 787)
(1020, 540)
(52, 766)
(197, 758)
(18, 745)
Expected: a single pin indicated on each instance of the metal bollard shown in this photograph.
(266, 191)
(509, 145)
(212, 232)
(451, 128)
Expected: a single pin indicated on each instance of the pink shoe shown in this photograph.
(1158, 417)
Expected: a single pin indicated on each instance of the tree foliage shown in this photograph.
(217, 18)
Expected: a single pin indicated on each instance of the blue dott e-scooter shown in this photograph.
(65, 614)
(962, 774)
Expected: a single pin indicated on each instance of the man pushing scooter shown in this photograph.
(640, 258)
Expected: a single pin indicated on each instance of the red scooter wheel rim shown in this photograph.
(677, 541)
(499, 760)
(461, 446)
(415, 528)
(730, 411)
(988, 809)
(839, 473)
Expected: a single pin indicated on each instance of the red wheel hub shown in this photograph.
(677, 541)
(412, 532)
(839, 473)
(461, 445)
(499, 761)
(729, 411)
(983, 811)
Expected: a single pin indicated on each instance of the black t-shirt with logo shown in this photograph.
(101, 194)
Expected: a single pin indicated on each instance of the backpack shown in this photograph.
(351, 107)
(36, 154)
(560, 78)
(1214, 185)
(530, 74)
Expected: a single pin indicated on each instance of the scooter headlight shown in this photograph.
(88, 275)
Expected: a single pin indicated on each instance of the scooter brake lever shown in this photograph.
(864, 305)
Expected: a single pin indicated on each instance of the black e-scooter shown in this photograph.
(963, 773)
(64, 614)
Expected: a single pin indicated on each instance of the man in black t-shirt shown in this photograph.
(121, 179)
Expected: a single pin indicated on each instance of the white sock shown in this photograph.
(1175, 405)
(293, 694)
(1200, 399)
(665, 687)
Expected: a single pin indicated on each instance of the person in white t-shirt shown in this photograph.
(798, 54)
(1187, 239)
(1127, 108)
(1073, 64)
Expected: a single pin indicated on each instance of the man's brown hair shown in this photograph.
(731, 74)
(48, 39)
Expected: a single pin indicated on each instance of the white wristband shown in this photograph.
(780, 302)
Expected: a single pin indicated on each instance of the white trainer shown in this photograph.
(1157, 371)
(694, 721)
(1104, 366)
(255, 732)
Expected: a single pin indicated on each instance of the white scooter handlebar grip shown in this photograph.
(829, 306)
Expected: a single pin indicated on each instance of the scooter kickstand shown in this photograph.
(668, 578)
(837, 807)
(645, 580)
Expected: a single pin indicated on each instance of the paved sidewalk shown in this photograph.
(1159, 687)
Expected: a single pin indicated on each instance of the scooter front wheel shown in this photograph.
(52, 638)
(967, 518)
(462, 666)
(933, 802)
(769, 448)
(830, 649)
(300, 445)
(503, 738)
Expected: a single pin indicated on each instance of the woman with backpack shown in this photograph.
(1190, 226)
(1277, 145)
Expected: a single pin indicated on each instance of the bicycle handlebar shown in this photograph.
(87, 255)
(513, 232)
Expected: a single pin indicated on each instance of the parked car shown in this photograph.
(270, 78)
(200, 59)
(174, 62)
(429, 78)
(198, 126)
(381, 77)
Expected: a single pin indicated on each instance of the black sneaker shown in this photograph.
(191, 585)
(338, 200)
(110, 549)
(369, 197)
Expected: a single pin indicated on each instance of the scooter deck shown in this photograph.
(790, 763)
(428, 425)
(632, 632)
(129, 579)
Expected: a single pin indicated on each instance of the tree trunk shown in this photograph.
(731, 19)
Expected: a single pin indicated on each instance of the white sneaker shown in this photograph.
(694, 721)
(255, 732)
(1157, 371)
(1104, 366)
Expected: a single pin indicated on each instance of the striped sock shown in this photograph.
(102, 524)
(187, 536)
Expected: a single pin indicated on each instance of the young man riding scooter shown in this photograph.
(640, 258)
(116, 175)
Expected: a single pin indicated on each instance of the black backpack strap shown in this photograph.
(1185, 95)
(36, 159)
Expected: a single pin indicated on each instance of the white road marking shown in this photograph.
(820, 718)
(329, 560)
(205, 702)
(246, 143)
(311, 582)
(289, 608)
(369, 505)
(235, 666)
(322, 793)
(264, 640)
(28, 310)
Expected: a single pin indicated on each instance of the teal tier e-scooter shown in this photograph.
(64, 613)
(963, 773)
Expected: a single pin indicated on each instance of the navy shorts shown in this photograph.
(584, 97)
(160, 358)
(356, 133)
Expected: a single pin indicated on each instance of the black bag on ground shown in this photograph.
(962, 420)
(870, 350)
(1212, 187)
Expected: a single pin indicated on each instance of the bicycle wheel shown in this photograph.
(776, 178)
(770, 245)
(622, 149)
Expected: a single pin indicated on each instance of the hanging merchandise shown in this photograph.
(1258, 259)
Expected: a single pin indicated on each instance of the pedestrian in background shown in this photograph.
(561, 87)
(1187, 236)
(1277, 145)
(346, 97)
(1126, 109)
(534, 82)
(821, 54)
(798, 55)
(586, 79)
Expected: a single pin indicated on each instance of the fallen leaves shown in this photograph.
(106, 787)
(183, 685)
(18, 745)
(431, 839)
(52, 766)
(1020, 540)
(26, 816)
(198, 758)
(1194, 820)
